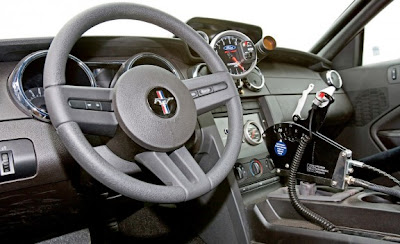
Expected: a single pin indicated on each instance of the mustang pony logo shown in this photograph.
(163, 102)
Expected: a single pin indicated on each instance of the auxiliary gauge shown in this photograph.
(237, 52)
(253, 133)
(255, 80)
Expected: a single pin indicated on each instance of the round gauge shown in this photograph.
(204, 36)
(333, 79)
(237, 52)
(26, 82)
(255, 80)
(253, 133)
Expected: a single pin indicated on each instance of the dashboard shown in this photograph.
(42, 169)
(25, 84)
(269, 88)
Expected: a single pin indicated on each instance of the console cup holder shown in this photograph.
(380, 198)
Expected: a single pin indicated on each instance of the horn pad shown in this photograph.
(154, 108)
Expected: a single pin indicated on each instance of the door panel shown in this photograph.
(375, 96)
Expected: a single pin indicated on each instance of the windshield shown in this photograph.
(294, 24)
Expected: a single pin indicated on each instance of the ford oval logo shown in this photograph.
(229, 47)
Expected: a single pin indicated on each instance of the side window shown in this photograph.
(382, 36)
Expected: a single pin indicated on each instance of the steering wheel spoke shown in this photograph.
(177, 169)
(211, 91)
(90, 107)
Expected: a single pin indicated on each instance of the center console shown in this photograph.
(254, 168)
(261, 180)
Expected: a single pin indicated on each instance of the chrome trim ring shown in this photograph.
(330, 81)
(241, 36)
(170, 66)
(204, 35)
(247, 138)
(197, 68)
(128, 64)
(15, 86)
(252, 87)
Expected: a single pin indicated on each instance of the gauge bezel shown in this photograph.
(329, 78)
(247, 137)
(241, 36)
(196, 69)
(204, 35)
(128, 64)
(170, 66)
(16, 88)
(252, 87)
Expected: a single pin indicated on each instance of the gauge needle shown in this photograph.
(238, 63)
(253, 133)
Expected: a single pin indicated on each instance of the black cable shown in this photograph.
(374, 187)
(381, 172)
(310, 122)
(294, 199)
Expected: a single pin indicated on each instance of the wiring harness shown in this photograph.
(316, 218)
(294, 199)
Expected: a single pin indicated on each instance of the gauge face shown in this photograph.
(237, 52)
(253, 133)
(36, 97)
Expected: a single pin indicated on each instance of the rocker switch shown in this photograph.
(7, 163)
(394, 74)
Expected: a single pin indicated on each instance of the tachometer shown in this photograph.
(237, 52)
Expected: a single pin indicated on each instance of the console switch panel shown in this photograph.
(17, 160)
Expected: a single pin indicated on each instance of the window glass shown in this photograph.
(294, 24)
(382, 36)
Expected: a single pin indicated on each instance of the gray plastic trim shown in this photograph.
(91, 121)
(221, 81)
(122, 165)
(177, 169)
(75, 142)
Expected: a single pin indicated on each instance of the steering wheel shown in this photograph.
(152, 106)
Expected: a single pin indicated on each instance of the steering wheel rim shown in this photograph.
(181, 171)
